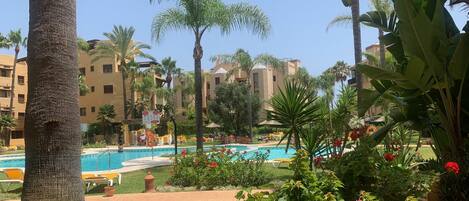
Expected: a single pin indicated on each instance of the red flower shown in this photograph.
(317, 160)
(355, 135)
(213, 165)
(452, 167)
(389, 156)
(337, 142)
(184, 153)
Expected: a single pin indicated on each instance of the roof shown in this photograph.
(221, 71)
(259, 66)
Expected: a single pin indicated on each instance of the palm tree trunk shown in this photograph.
(132, 96)
(13, 74)
(357, 41)
(382, 49)
(198, 53)
(52, 124)
(124, 90)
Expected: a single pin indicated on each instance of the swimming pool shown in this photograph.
(110, 160)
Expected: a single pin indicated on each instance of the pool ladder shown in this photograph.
(108, 152)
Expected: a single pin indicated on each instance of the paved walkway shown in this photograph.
(179, 196)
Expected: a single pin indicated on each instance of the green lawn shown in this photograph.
(427, 153)
(12, 152)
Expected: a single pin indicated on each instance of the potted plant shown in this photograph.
(109, 191)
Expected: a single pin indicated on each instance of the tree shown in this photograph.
(7, 122)
(14, 40)
(52, 122)
(83, 88)
(147, 88)
(294, 107)
(168, 68)
(121, 45)
(186, 87)
(341, 71)
(106, 115)
(200, 16)
(242, 61)
(230, 108)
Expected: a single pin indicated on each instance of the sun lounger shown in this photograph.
(111, 176)
(93, 179)
(279, 161)
(13, 176)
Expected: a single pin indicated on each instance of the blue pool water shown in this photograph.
(112, 159)
(275, 152)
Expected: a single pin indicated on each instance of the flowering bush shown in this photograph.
(219, 168)
(452, 167)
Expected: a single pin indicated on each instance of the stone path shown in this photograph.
(179, 196)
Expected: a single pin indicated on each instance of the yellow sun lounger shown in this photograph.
(13, 176)
(111, 176)
(277, 162)
(93, 179)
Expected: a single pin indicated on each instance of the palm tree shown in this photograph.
(14, 40)
(341, 71)
(200, 16)
(294, 107)
(146, 87)
(168, 68)
(7, 122)
(106, 117)
(83, 88)
(242, 61)
(121, 45)
(52, 123)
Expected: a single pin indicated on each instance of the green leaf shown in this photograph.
(369, 98)
(460, 62)
(379, 73)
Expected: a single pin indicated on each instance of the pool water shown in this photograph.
(274, 152)
(110, 160)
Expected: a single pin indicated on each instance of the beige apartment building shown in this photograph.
(20, 93)
(265, 82)
(102, 77)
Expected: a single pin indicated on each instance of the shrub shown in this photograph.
(95, 145)
(219, 168)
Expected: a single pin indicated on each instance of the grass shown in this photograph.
(11, 152)
(427, 153)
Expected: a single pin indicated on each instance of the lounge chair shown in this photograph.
(279, 161)
(111, 176)
(93, 179)
(13, 176)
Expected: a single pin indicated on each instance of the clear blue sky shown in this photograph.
(299, 30)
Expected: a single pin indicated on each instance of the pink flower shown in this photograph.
(318, 160)
(184, 153)
(213, 165)
(452, 167)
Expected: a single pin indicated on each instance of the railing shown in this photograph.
(108, 153)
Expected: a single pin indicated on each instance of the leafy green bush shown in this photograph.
(95, 145)
(219, 168)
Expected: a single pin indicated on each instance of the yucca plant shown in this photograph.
(294, 107)
(313, 143)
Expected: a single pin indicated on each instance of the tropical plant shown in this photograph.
(168, 68)
(200, 16)
(14, 40)
(230, 107)
(314, 144)
(341, 71)
(242, 61)
(105, 117)
(7, 122)
(120, 44)
(294, 107)
(83, 88)
(186, 87)
(52, 128)
(146, 87)
(302, 76)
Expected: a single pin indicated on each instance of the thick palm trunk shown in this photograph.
(382, 49)
(357, 41)
(124, 90)
(198, 53)
(52, 132)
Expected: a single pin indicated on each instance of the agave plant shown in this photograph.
(294, 107)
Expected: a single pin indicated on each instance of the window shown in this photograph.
(93, 109)
(4, 93)
(107, 68)
(17, 134)
(108, 89)
(83, 111)
(20, 79)
(92, 88)
(274, 78)
(92, 68)
(82, 71)
(21, 98)
(255, 81)
(4, 73)
(20, 115)
(217, 81)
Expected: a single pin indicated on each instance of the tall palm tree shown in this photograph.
(7, 122)
(14, 40)
(146, 87)
(242, 61)
(106, 117)
(52, 124)
(200, 16)
(168, 68)
(120, 44)
(341, 71)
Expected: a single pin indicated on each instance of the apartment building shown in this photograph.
(265, 82)
(20, 93)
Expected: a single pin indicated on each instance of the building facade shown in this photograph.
(265, 82)
(20, 94)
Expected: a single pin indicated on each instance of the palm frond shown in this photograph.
(340, 20)
(171, 19)
(243, 15)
